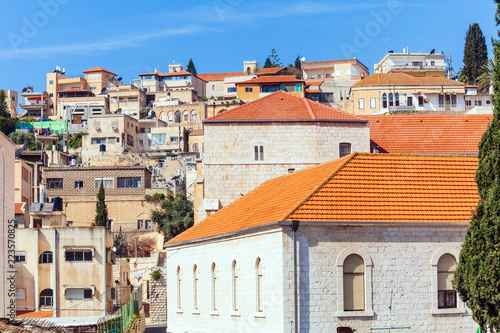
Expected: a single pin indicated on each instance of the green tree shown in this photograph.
(27, 139)
(190, 67)
(274, 58)
(7, 123)
(485, 80)
(477, 277)
(101, 216)
(75, 141)
(475, 53)
(268, 63)
(298, 63)
(175, 215)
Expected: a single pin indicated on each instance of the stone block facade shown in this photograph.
(229, 164)
(157, 299)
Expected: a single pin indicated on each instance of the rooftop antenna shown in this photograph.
(385, 43)
(450, 74)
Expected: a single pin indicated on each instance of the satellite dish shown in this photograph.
(104, 90)
(303, 59)
(119, 79)
(433, 50)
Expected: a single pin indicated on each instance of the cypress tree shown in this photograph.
(268, 63)
(477, 277)
(7, 123)
(101, 216)
(475, 53)
(298, 63)
(190, 67)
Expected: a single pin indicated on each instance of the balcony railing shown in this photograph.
(401, 108)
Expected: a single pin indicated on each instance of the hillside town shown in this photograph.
(323, 196)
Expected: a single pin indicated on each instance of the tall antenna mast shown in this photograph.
(385, 43)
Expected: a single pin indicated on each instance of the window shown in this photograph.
(20, 293)
(93, 87)
(248, 89)
(232, 90)
(447, 297)
(186, 116)
(441, 101)
(193, 116)
(179, 288)
(173, 139)
(97, 141)
(409, 101)
(159, 139)
(344, 149)
(258, 269)
(111, 140)
(416, 63)
(93, 76)
(79, 184)
(488, 102)
(433, 63)
(267, 89)
(81, 255)
(213, 86)
(391, 99)
(170, 117)
(195, 287)
(51, 82)
(214, 287)
(177, 116)
(384, 101)
(140, 224)
(129, 182)
(373, 103)
(354, 291)
(328, 76)
(453, 101)
(54, 183)
(147, 224)
(396, 99)
(51, 95)
(46, 297)
(235, 286)
(106, 182)
(195, 147)
(361, 102)
(45, 258)
(78, 293)
(259, 153)
(420, 100)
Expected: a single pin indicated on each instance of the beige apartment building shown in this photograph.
(7, 193)
(156, 136)
(24, 182)
(77, 105)
(12, 99)
(65, 271)
(399, 92)
(34, 104)
(128, 99)
(414, 64)
(125, 187)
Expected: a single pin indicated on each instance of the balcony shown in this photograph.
(34, 106)
(401, 108)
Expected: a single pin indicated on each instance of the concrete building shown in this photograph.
(188, 115)
(7, 214)
(155, 136)
(250, 144)
(329, 81)
(478, 102)
(125, 188)
(76, 106)
(399, 92)
(414, 64)
(384, 247)
(230, 89)
(34, 104)
(12, 101)
(262, 86)
(67, 271)
(196, 141)
(24, 182)
(128, 99)
(215, 82)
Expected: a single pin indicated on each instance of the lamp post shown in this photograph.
(295, 227)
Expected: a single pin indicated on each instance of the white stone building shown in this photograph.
(372, 234)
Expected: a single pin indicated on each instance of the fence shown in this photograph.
(120, 321)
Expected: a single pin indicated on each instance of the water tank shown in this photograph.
(73, 160)
(58, 203)
(152, 113)
(102, 147)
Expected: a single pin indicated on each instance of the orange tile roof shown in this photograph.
(73, 90)
(98, 69)
(437, 134)
(218, 76)
(283, 105)
(270, 70)
(182, 72)
(198, 131)
(314, 82)
(34, 314)
(271, 79)
(19, 207)
(380, 79)
(361, 187)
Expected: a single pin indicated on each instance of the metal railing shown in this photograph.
(121, 320)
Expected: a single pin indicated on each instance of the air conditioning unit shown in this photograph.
(114, 128)
(97, 128)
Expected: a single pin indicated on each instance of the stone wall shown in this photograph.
(157, 299)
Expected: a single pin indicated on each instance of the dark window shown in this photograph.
(248, 89)
(397, 99)
(87, 294)
(384, 101)
(54, 183)
(45, 258)
(391, 99)
(46, 297)
(409, 101)
(447, 299)
(129, 182)
(140, 224)
(344, 149)
(420, 100)
(177, 116)
(259, 153)
(20, 256)
(78, 256)
(79, 184)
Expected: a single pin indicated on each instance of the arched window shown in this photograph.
(214, 287)
(46, 297)
(162, 117)
(258, 269)
(235, 285)
(195, 147)
(170, 117)
(177, 116)
(447, 297)
(384, 101)
(45, 258)
(186, 116)
(397, 99)
(193, 116)
(213, 86)
(354, 283)
(391, 99)
(344, 149)
(179, 288)
(195, 287)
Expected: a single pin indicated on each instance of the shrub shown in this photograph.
(156, 275)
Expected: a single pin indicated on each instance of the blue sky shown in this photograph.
(132, 37)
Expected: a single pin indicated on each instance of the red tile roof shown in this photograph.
(380, 79)
(314, 82)
(437, 134)
(73, 90)
(282, 105)
(361, 187)
(197, 132)
(34, 314)
(271, 79)
(19, 207)
(270, 70)
(218, 76)
(179, 73)
(98, 69)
